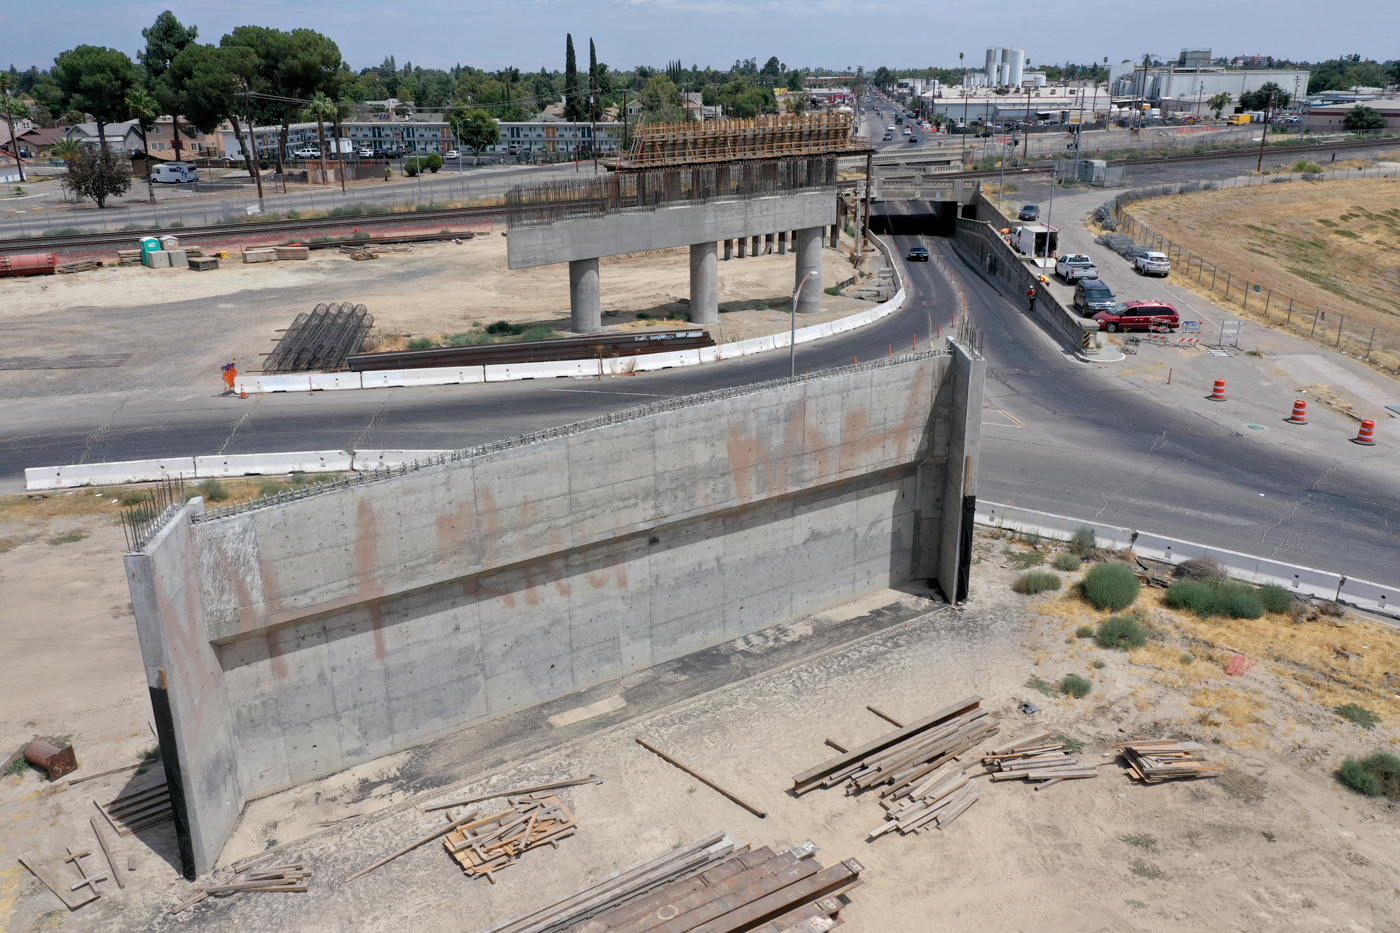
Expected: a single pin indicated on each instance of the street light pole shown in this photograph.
(792, 333)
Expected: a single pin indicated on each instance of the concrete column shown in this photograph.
(704, 283)
(757, 245)
(728, 249)
(585, 298)
(782, 242)
(809, 259)
(743, 246)
(835, 237)
(768, 239)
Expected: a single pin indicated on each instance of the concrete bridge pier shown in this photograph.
(743, 246)
(585, 297)
(728, 249)
(704, 283)
(808, 247)
(756, 247)
(835, 237)
(782, 242)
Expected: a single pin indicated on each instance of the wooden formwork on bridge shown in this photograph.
(768, 137)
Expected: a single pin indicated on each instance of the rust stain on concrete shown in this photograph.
(366, 552)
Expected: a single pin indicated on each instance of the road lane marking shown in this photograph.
(603, 392)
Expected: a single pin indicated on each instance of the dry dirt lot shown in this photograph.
(1275, 845)
(1333, 245)
(180, 327)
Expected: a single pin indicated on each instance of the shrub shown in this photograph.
(1023, 560)
(132, 497)
(1275, 598)
(1304, 167)
(420, 343)
(1068, 562)
(1353, 774)
(833, 290)
(1376, 774)
(347, 210)
(1084, 631)
(1036, 581)
(1110, 586)
(213, 491)
(1199, 569)
(1098, 665)
(1215, 598)
(1041, 685)
(468, 339)
(410, 168)
(434, 162)
(1360, 715)
(1083, 541)
(1075, 686)
(542, 332)
(1120, 633)
(359, 235)
(269, 487)
(504, 328)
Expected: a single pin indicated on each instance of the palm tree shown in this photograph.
(66, 148)
(344, 109)
(144, 109)
(9, 109)
(322, 108)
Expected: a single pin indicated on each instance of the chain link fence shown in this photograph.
(1263, 301)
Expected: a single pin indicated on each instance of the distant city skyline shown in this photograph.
(826, 34)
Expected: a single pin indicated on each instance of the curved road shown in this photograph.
(1058, 435)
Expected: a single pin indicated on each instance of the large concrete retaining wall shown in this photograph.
(295, 640)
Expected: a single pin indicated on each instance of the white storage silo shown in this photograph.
(993, 65)
(1015, 66)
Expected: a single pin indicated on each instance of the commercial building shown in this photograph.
(1328, 118)
(1185, 85)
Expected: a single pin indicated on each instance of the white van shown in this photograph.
(174, 172)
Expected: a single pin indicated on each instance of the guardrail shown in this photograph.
(1322, 584)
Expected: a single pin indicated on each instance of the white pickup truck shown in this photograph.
(1074, 267)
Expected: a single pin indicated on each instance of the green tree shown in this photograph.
(66, 148)
(574, 107)
(796, 81)
(1219, 102)
(594, 113)
(96, 80)
(772, 71)
(474, 128)
(797, 102)
(882, 78)
(1361, 118)
(321, 109)
(213, 80)
(165, 39)
(97, 173)
(145, 110)
(1269, 97)
(10, 108)
(661, 101)
(292, 66)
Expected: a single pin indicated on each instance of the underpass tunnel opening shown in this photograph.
(914, 218)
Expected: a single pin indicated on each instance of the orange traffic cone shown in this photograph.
(1366, 437)
(242, 392)
(1300, 412)
(1218, 393)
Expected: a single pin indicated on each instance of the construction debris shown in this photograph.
(906, 756)
(498, 841)
(281, 878)
(81, 265)
(1037, 758)
(714, 884)
(59, 878)
(360, 252)
(1167, 760)
(703, 780)
(138, 810)
(117, 873)
(937, 800)
(413, 845)
(128, 257)
(519, 791)
(55, 761)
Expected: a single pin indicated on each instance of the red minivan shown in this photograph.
(1139, 315)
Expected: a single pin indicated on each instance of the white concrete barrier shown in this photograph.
(363, 461)
(1323, 584)
(303, 461)
(550, 369)
(108, 474)
(435, 376)
(324, 382)
(262, 385)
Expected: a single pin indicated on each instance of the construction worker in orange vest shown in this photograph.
(230, 374)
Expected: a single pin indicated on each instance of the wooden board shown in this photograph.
(53, 873)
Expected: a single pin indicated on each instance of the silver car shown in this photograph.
(1151, 263)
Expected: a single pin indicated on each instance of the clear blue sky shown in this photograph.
(831, 33)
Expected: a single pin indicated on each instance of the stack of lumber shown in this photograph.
(1037, 758)
(1167, 760)
(937, 800)
(128, 257)
(626, 886)
(745, 892)
(360, 252)
(137, 810)
(81, 265)
(906, 756)
(290, 878)
(487, 845)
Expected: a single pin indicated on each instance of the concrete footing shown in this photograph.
(585, 297)
(704, 283)
(809, 259)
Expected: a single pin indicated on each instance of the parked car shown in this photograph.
(174, 173)
(1075, 266)
(364, 152)
(1150, 263)
(452, 154)
(983, 133)
(309, 152)
(1029, 212)
(393, 153)
(1139, 315)
(917, 254)
(913, 139)
(1092, 296)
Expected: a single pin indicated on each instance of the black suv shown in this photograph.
(917, 254)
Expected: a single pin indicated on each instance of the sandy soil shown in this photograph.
(1333, 245)
(1275, 845)
(180, 327)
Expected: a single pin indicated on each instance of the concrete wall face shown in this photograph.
(335, 629)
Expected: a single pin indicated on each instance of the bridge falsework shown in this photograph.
(774, 136)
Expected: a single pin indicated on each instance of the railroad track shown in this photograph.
(255, 228)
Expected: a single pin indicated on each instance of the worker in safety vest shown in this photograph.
(1030, 294)
(230, 374)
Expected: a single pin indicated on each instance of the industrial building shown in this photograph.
(1185, 85)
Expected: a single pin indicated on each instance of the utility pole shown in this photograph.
(1264, 136)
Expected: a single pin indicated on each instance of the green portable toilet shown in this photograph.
(149, 244)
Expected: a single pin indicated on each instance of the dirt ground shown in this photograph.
(180, 327)
(1333, 245)
(1275, 845)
